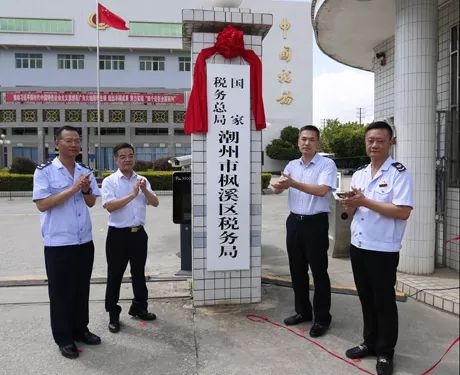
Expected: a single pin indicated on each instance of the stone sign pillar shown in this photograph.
(228, 284)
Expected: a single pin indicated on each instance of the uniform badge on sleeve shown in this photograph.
(44, 165)
(399, 166)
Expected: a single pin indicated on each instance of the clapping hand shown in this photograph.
(136, 187)
(83, 183)
(142, 184)
(283, 182)
(353, 199)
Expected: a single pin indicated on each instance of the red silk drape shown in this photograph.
(229, 44)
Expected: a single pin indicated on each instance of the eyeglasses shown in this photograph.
(125, 157)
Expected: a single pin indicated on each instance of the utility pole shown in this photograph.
(323, 122)
(361, 115)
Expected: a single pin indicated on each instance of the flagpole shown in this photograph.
(98, 101)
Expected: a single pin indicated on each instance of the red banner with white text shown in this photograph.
(91, 97)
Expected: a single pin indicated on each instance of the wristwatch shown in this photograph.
(87, 192)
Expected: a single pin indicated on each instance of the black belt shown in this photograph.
(308, 217)
(128, 229)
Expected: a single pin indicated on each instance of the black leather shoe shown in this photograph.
(114, 327)
(296, 319)
(318, 330)
(141, 314)
(69, 351)
(384, 366)
(360, 351)
(88, 338)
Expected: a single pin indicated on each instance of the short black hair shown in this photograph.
(380, 125)
(120, 146)
(310, 128)
(65, 127)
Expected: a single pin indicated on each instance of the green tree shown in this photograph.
(285, 147)
(344, 140)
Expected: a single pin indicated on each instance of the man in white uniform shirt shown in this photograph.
(381, 202)
(310, 180)
(63, 191)
(125, 195)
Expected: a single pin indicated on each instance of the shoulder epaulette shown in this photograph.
(45, 164)
(399, 166)
(85, 166)
(362, 167)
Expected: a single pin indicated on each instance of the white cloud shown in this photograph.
(339, 94)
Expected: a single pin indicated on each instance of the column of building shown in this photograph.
(415, 119)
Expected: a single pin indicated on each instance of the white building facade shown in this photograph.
(412, 46)
(49, 50)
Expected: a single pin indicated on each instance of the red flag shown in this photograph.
(111, 19)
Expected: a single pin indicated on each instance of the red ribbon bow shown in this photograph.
(229, 44)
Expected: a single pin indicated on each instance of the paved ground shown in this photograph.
(213, 340)
(185, 340)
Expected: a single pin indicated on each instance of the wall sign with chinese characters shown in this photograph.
(228, 147)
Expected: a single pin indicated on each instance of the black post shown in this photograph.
(186, 247)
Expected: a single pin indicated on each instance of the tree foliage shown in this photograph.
(344, 140)
(285, 147)
(22, 165)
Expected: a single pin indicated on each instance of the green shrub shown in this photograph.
(160, 180)
(16, 182)
(142, 165)
(23, 166)
(162, 164)
(266, 177)
(285, 147)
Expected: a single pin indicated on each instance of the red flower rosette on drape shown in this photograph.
(229, 44)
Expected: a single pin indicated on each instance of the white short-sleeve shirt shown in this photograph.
(392, 184)
(319, 171)
(69, 223)
(118, 186)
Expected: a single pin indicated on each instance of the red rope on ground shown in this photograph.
(440, 359)
(264, 319)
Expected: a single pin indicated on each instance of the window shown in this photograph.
(151, 131)
(28, 115)
(29, 60)
(71, 61)
(179, 132)
(155, 63)
(36, 25)
(24, 131)
(8, 115)
(180, 151)
(173, 30)
(110, 131)
(160, 117)
(51, 115)
(179, 117)
(111, 62)
(184, 64)
(26, 152)
(91, 115)
(151, 153)
(73, 115)
(116, 115)
(454, 130)
(138, 116)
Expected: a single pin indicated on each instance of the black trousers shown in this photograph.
(68, 269)
(123, 246)
(375, 277)
(307, 243)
